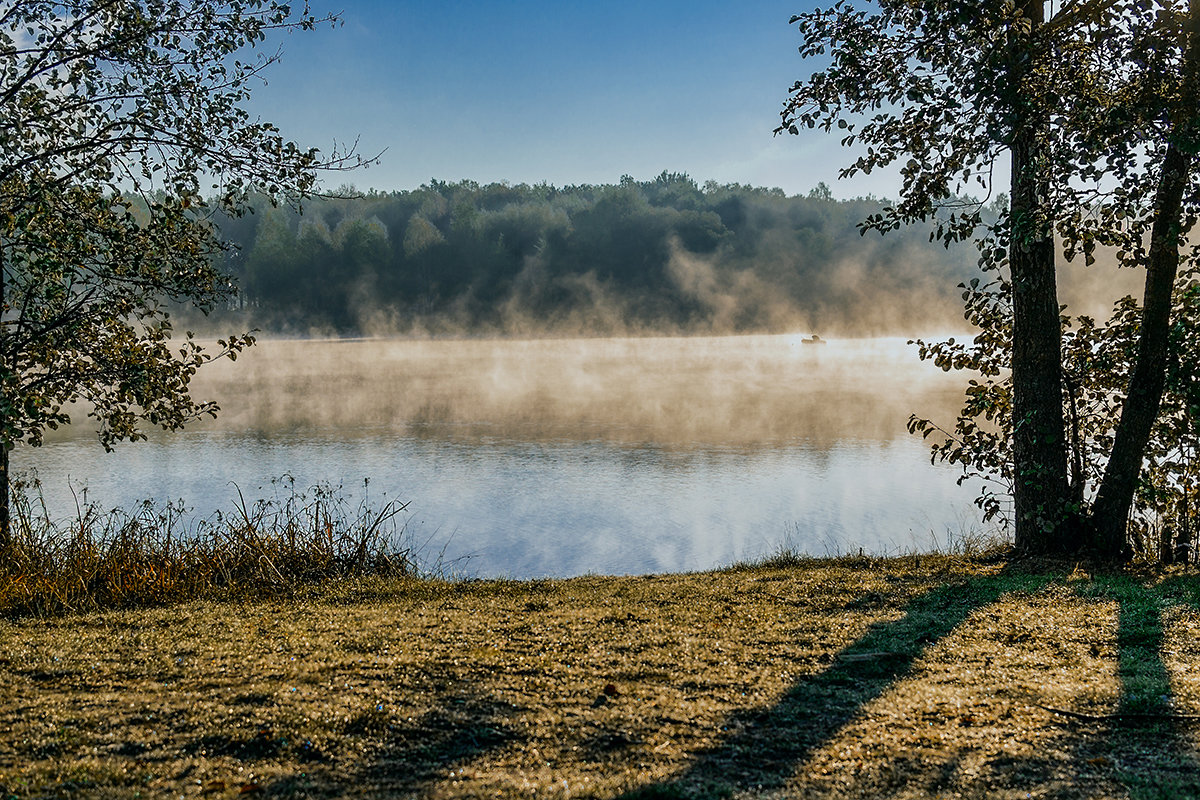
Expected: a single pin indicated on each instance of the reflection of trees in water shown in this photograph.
(735, 391)
(564, 457)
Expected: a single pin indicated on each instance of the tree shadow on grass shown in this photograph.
(406, 756)
(426, 749)
(763, 748)
(1141, 747)
(1146, 741)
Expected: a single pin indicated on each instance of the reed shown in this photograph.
(158, 554)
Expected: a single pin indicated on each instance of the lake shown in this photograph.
(564, 457)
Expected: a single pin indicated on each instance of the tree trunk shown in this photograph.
(1040, 491)
(1110, 511)
(5, 541)
(4, 443)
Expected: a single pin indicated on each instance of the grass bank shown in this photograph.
(279, 546)
(903, 678)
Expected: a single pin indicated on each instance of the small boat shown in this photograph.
(814, 340)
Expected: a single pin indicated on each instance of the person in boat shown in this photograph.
(814, 340)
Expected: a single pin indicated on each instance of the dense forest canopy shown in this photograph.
(659, 256)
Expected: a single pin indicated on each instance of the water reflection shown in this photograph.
(567, 457)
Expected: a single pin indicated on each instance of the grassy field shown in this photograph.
(904, 678)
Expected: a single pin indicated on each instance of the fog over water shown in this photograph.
(565, 456)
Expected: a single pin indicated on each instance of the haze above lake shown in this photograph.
(562, 457)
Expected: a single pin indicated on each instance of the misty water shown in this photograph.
(563, 457)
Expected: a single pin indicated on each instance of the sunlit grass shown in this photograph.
(157, 554)
(910, 677)
(966, 542)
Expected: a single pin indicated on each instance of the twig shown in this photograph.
(1121, 716)
(869, 656)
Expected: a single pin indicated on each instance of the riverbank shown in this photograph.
(914, 677)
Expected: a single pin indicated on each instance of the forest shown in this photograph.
(659, 256)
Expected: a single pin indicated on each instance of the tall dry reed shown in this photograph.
(158, 554)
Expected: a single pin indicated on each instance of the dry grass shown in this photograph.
(157, 555)
(907, 678)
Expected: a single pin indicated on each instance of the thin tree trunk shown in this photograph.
(5, 540)
(1110, 511)
(1040, 490)
(4, 529)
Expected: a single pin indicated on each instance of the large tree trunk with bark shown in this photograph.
(1110, 511)
(1040, 491)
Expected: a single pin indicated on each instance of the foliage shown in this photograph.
(1095, 102)
(87, 279)
(1097, 359)
(1168, 497)
(146, 94)
(664, 255)
(112, 116)
(981, 438)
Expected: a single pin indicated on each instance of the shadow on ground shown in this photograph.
(764, 748)
(1144, 747)
(406, 757)
(1148, 742)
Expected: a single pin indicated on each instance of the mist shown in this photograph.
(561, 456)
(658, 257)
(664, 257)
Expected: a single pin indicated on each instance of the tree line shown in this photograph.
(664, 255)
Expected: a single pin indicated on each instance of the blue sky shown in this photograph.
(564, 92)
